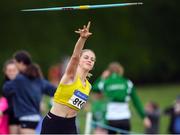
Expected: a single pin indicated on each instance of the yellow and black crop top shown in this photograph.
(73, 95)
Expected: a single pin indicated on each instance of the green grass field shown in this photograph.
(164, 95)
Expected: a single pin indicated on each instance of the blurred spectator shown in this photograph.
(153, 113)
(98, 110)
(27, 89)
(119, 90)
(174, 113)
(99, 104)
(10, 72)
(54, 74)
(4, 125)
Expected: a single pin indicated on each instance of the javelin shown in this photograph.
(83, 7)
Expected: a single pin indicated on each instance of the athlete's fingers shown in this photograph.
(89, 24)
(77, 31)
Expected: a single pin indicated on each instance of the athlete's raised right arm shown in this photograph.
(71, 69)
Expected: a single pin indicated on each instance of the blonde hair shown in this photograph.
(87, 50)
(115, 67)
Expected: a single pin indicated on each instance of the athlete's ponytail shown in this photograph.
(33, 71)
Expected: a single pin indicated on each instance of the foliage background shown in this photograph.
(144, 39)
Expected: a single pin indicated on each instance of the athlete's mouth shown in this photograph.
(89, 64)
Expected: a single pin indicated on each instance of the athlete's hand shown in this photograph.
(147, 122)
(84, 33)
(106, 73)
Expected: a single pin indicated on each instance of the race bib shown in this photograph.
(78, 99)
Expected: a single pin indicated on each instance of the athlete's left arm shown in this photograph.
(137, 103)
(139, 107)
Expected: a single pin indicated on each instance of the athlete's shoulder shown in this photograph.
(130, 83)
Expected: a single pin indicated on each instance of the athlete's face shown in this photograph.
(87, 60)
(11, 71)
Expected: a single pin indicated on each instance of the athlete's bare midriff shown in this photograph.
(63, 110)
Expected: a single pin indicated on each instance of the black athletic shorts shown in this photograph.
(53, 124)
(123, 125)
(28, 124)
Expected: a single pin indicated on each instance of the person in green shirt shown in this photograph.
(98, 104)
(118, 91)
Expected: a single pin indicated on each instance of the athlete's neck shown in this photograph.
(82, 74)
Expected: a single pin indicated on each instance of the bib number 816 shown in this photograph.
(79, 103)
